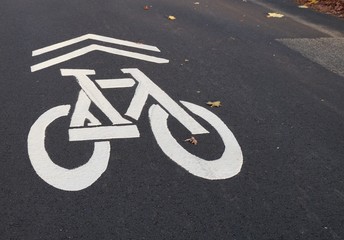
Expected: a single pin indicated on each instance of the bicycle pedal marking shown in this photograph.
(85, 126)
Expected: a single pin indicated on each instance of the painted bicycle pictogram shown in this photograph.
(227, 166)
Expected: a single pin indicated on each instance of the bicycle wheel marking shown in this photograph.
(65, 179)
(227, 166)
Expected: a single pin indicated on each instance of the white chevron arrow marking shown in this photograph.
(93, 37)
(95, 47)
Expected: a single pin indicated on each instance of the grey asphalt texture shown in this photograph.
(328, 52)
(285, 109)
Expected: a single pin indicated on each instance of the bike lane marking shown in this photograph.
(103, 133)
(115, 83)
(227, 166)
(94, 37)
(62, 178)
(95, 47)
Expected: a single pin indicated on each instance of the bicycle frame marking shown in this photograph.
(90, 93)
(227, 166)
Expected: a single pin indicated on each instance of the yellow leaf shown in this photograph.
(313, 1)
(171, 17)
(275, 15)
(214, 104)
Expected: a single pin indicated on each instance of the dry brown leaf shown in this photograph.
(192, 140)
(214, 104)
(172, 18)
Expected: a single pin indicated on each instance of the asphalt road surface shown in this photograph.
(280, 82)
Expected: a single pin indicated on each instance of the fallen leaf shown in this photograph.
(275, 15)
(191, 140)
(171, 17)
(196, 3)
(214, 104)
(312, 1)
(303, 6)
(146, 7)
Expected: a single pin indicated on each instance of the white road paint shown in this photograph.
(82, 113)
(116, 83)
(65, 179)
(95, 94)
(227, 166)
(103, 133)
(93, 37)
(95, 47)
(147, 87)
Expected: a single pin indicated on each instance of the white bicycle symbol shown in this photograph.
(227, 166)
